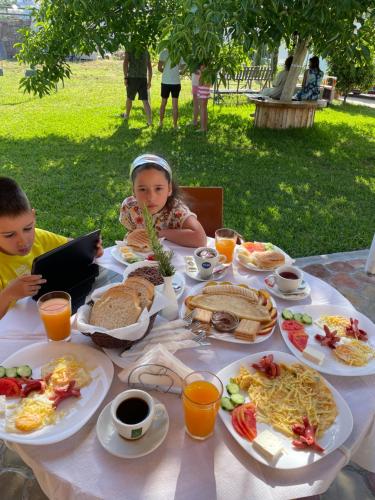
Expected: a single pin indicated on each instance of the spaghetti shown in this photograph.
(283, 401)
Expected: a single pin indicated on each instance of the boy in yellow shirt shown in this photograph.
(20, 243)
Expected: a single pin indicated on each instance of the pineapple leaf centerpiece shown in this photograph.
(164, 257)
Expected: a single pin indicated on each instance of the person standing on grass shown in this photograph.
(203, 95)
(137, 78)
(170, 85)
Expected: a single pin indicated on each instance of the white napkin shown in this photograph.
(131, 332)
(158, 368)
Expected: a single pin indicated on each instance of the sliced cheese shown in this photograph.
(268, 444)
(313, 355)
(2, 406)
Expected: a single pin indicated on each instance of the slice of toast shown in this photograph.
(116, 308)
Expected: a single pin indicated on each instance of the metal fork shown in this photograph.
(200, 338)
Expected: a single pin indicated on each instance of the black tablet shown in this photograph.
(68, 265)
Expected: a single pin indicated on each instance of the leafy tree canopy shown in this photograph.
(216, 32)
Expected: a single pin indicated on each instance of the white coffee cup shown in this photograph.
(288, 278)
(132, 413)
(206, 258)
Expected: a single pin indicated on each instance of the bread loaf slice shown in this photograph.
(249, 293)
(116, 308)
(143, 288)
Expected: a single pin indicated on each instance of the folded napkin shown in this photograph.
(157, 369)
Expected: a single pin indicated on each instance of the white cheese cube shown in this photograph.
(313, 355)
(2, 406)
(268, 444)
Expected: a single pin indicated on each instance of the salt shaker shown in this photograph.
(370, 263)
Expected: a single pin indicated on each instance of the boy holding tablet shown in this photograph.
(20, 243)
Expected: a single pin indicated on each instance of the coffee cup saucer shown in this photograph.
(191, 270)
(302, 292)
(124, 448)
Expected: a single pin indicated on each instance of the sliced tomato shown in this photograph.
(250, 420)
(238, 427)
(299, 339)
(254, 246)
(291, 324)
(9, 388)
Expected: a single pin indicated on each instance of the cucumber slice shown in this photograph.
(298, 317)
(307, 319)
(237, 399)
(287, 314)
(24, 371)
(227, 404)
(2, 371)
(232, 388)
(11, 372)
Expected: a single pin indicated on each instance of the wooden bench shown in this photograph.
(242, 82)
(270, 113)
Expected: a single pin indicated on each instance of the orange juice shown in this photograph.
(226, 246)
(201, 400)
(55, 314)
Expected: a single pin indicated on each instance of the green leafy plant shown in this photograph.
(164, 257)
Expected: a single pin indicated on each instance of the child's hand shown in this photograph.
(24, 286)
(99, 248)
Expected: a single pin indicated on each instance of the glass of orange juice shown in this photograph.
(201, 394)
(225, 242)
(55, 311)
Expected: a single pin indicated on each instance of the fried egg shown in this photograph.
(30, 414)
(61, 371)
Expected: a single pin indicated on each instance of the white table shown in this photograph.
(181, 468)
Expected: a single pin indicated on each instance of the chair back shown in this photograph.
(207, 203)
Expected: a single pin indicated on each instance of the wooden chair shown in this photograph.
(207, 203)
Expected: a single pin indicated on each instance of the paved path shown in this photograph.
(360, 101)
(344, 271)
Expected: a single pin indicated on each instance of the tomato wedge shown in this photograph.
(254, 246)
(244, 421)
(9, 388)
(299, 339)
(291, 324)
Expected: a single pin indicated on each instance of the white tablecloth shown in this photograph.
(181, 468)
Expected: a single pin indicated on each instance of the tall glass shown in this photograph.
(201, 396)
(225, 243)
(55, 311)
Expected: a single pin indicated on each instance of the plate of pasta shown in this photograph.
(278, 404)
(335, 340)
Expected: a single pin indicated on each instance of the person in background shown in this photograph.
(278, 84)
(20, 243)
(203, 94)
(194, 90)
(170, 85)
(154, 188)
(137, 78)
(311, 82)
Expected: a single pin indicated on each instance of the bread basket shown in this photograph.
(122, 337)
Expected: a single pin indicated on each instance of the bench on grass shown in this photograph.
(271, 113)
(242, 82)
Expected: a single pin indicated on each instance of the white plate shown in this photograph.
(288, 260)
(229, 337)
(194, 274)
(292, 458)
(117, 255)
(331, 364)
(78, 410)
(304, 292)
(178, 280)
(123, 448)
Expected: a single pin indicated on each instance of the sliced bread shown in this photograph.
(117, 307)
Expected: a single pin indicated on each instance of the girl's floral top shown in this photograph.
(131, 215)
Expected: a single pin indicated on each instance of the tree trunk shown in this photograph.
(298, 58)
(274, 61)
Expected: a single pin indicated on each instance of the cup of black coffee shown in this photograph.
(206, 258)
(288, 278)
(132, 413)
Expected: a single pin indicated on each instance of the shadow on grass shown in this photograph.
(354, 109)
(308, 191)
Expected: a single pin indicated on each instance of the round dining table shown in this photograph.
(80, 468)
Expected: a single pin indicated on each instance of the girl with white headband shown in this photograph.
(154, 188)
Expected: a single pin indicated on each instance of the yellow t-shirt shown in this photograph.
(12, 266)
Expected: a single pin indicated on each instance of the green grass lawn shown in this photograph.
(309, 191)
